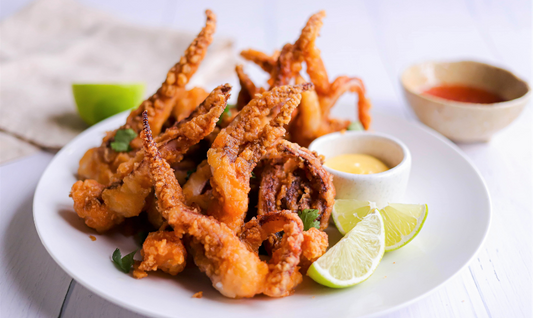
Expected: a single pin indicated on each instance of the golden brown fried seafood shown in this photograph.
(238, 147)
(126, 197)
(188, 102)
(266, 62)
(161, 250)
(194, 189)
(101, 163)
(233, 269)
(314, 245)
(312, 119)
(248, 88)
(85, 195)
(295, 180)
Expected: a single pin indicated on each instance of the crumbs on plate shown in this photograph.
(92, 237)
(198, 295)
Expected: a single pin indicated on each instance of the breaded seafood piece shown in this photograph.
(100, 163)
(238, 147)
(295, 180)
(126, 197)
(162, 250)
(234, 270)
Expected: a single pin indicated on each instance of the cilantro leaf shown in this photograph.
(356, 126)
(123, 137)
(227, 111)
(123, 263)
(308, 217)
(253, 175)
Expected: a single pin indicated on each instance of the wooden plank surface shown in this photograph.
(375, 40)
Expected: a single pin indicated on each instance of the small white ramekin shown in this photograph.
(383, 187)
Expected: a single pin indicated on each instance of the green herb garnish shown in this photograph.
(308, 217)
(253, 175)
(356, 126)
(123, 263)
(123, 137)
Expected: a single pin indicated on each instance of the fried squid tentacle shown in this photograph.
(315, 66)
(193, 189)
(237, 149)
(248, 88)
(179, 75)
(100, 163)
(102, 207)
(289, 63)
(233, 269)
(314, 244)
(296, 184)
(265, 61)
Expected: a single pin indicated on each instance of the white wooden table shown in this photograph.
(375, 40)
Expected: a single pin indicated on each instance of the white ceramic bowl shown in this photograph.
(383, 187)
(464, 122)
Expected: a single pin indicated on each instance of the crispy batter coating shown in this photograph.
(312, 119)
(233, 269)
(187, 103)
(315, 66)
(266, 62)
(164, 251)
(248, 88)
(314, 245)
(126, 197)
(159, 105)
(100, 163)
(89, 207)
(296, 180)
(193, 189)
(237, 149)
(213, 154)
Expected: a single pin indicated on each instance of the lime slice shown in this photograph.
(347, 213)
(96, 102)
(355, 257)
(402, 223)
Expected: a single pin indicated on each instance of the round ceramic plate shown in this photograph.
(441, 176)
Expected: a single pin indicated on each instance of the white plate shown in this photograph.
(441, 176)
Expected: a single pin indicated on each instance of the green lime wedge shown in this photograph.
(96, 102)
(355, 257)
(403, 222)
(347, 213)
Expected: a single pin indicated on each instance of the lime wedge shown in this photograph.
(355, 257)
(96, 102)
(347, 213)
(402, 223)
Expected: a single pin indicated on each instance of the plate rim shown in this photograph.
(141, 310)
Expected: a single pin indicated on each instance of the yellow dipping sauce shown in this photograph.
(356, 163)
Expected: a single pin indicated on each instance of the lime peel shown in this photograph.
(403, 222)
(96, 102)
(355, 257)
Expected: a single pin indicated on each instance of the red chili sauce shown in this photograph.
(465, 94)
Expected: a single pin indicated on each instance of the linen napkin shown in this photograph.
(52, 43)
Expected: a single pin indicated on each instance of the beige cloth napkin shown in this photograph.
(52, 43)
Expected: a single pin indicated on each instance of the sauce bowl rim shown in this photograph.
(504, 104)
(406, 159)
